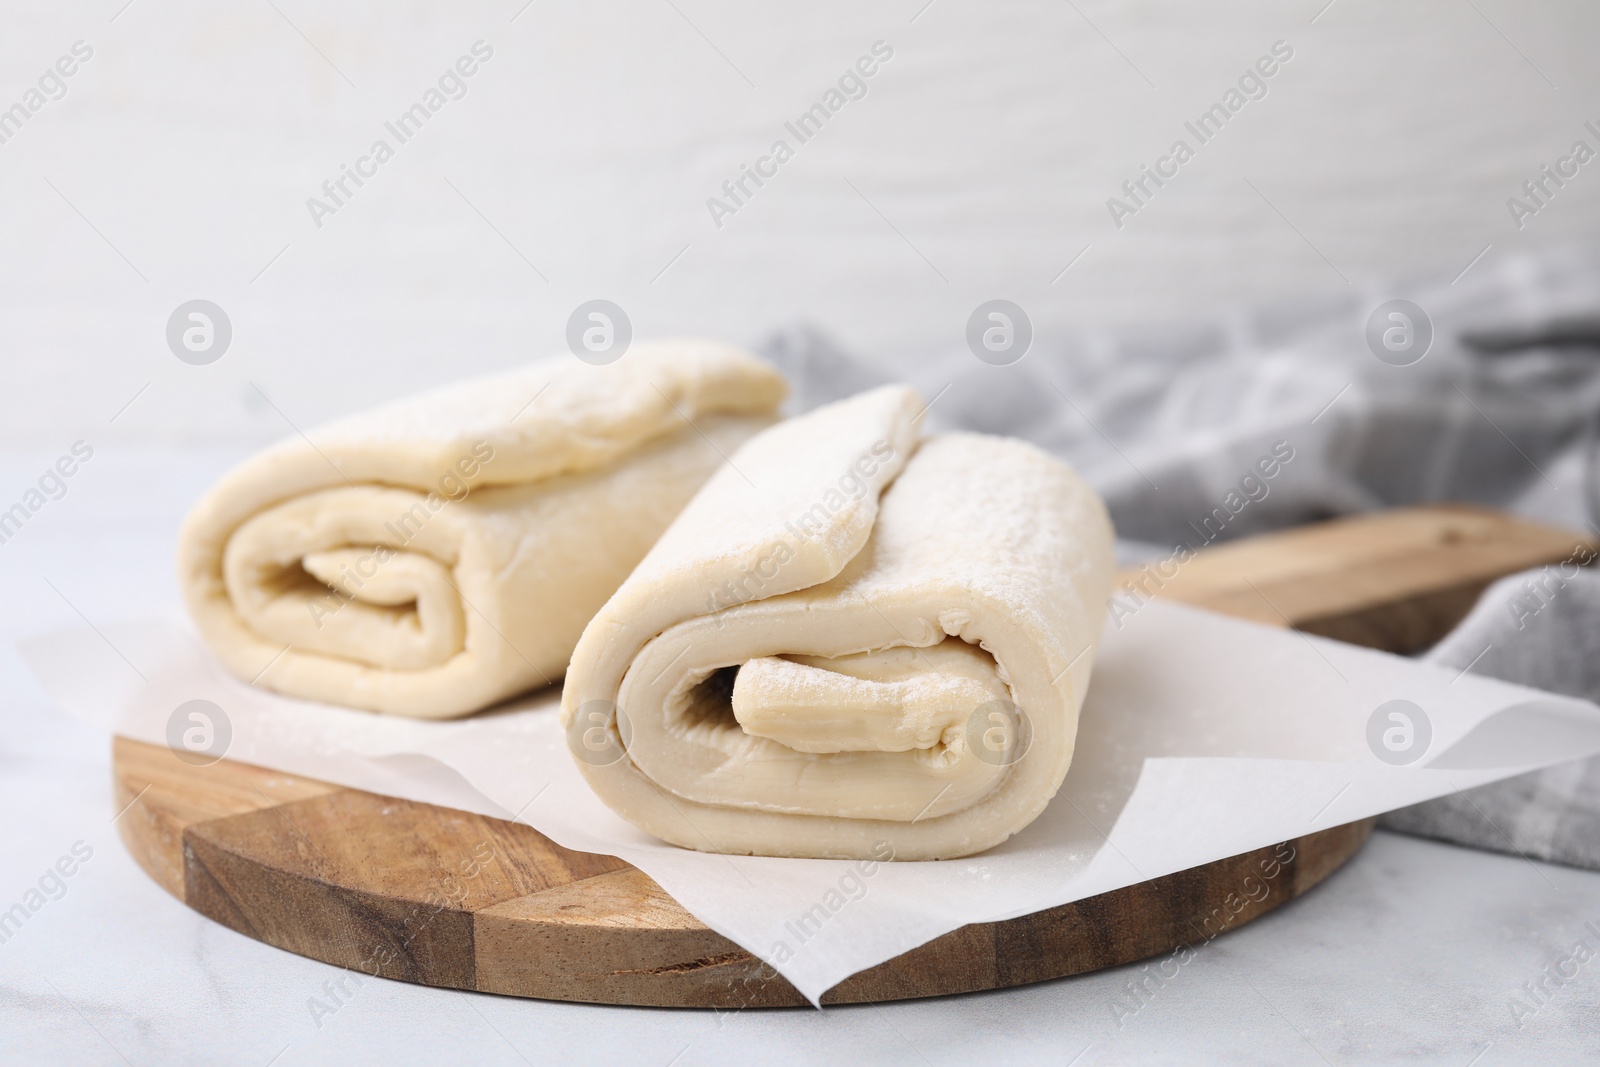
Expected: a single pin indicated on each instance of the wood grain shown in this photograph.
(442, 897)
(1396, 580)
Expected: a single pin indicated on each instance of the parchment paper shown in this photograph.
(1202, 737)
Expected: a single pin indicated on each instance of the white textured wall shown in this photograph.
(594, 136)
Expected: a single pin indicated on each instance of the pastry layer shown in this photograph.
(850, 637)
(442, 553)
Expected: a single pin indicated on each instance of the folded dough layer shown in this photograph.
(442, 553)
(849, 638)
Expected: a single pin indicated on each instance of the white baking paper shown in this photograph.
(1202, 737)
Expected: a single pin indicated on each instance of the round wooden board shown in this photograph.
(442, 897)
(426, 894)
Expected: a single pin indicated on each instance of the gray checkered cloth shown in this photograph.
(1503, 410)
(1540, 631)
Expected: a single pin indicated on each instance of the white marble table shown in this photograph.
(1412, 953)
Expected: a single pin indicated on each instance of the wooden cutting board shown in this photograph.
(442, 897)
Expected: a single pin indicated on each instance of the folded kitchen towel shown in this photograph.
(1540, 628)
(442, 553)
(851, 644)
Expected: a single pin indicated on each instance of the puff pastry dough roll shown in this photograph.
(442, 553)
(850, 639)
